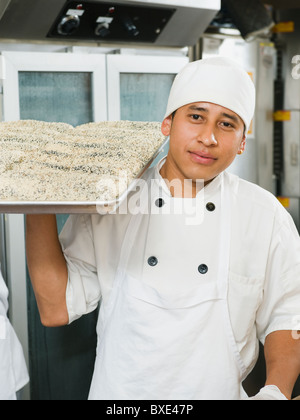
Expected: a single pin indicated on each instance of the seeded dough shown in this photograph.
(54, 162)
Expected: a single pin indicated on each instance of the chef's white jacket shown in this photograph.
(264, 275)
(13, 370)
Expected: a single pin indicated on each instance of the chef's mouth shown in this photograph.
(202, 157)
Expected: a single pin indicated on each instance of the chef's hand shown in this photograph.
(269, 393)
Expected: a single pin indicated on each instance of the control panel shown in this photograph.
(110, 21)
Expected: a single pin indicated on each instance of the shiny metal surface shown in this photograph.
(190, 20)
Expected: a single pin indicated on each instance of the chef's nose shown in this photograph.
(207, 137)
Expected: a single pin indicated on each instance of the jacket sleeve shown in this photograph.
(13, 370)
(83, 290)
(280, 309)
(3, 297)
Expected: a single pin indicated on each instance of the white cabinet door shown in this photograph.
(139, 86)
(43, 65)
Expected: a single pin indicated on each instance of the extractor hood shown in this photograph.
(174, 23)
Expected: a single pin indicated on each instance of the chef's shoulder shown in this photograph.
(113, 219)
(259, 202)
(92, 227)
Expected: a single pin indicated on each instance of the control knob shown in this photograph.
(68, 25)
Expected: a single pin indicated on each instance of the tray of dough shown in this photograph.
(55, 168)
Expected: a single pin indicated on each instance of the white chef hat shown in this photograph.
(216, 80)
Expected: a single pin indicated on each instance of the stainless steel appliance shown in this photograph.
(172, 23)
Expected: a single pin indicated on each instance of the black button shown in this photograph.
(203, 269)
(152, 261)
(159, 203)
(210, 207)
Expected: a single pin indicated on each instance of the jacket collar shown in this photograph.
(210, 190)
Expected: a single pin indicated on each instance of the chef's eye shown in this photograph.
(227, 124)
(196, 117)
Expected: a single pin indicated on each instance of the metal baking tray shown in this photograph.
(61, 207)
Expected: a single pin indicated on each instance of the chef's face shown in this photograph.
(204, 140)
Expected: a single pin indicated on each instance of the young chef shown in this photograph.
(13, 370)
(183, 305)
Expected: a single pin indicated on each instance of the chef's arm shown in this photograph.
(282, 353)
(47, 268)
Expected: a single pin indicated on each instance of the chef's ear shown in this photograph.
(166, 126)
(242, 146)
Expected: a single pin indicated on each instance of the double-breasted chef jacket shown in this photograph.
(169, 258)
(13, 370)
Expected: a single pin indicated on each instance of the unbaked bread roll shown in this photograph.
(54, 162)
